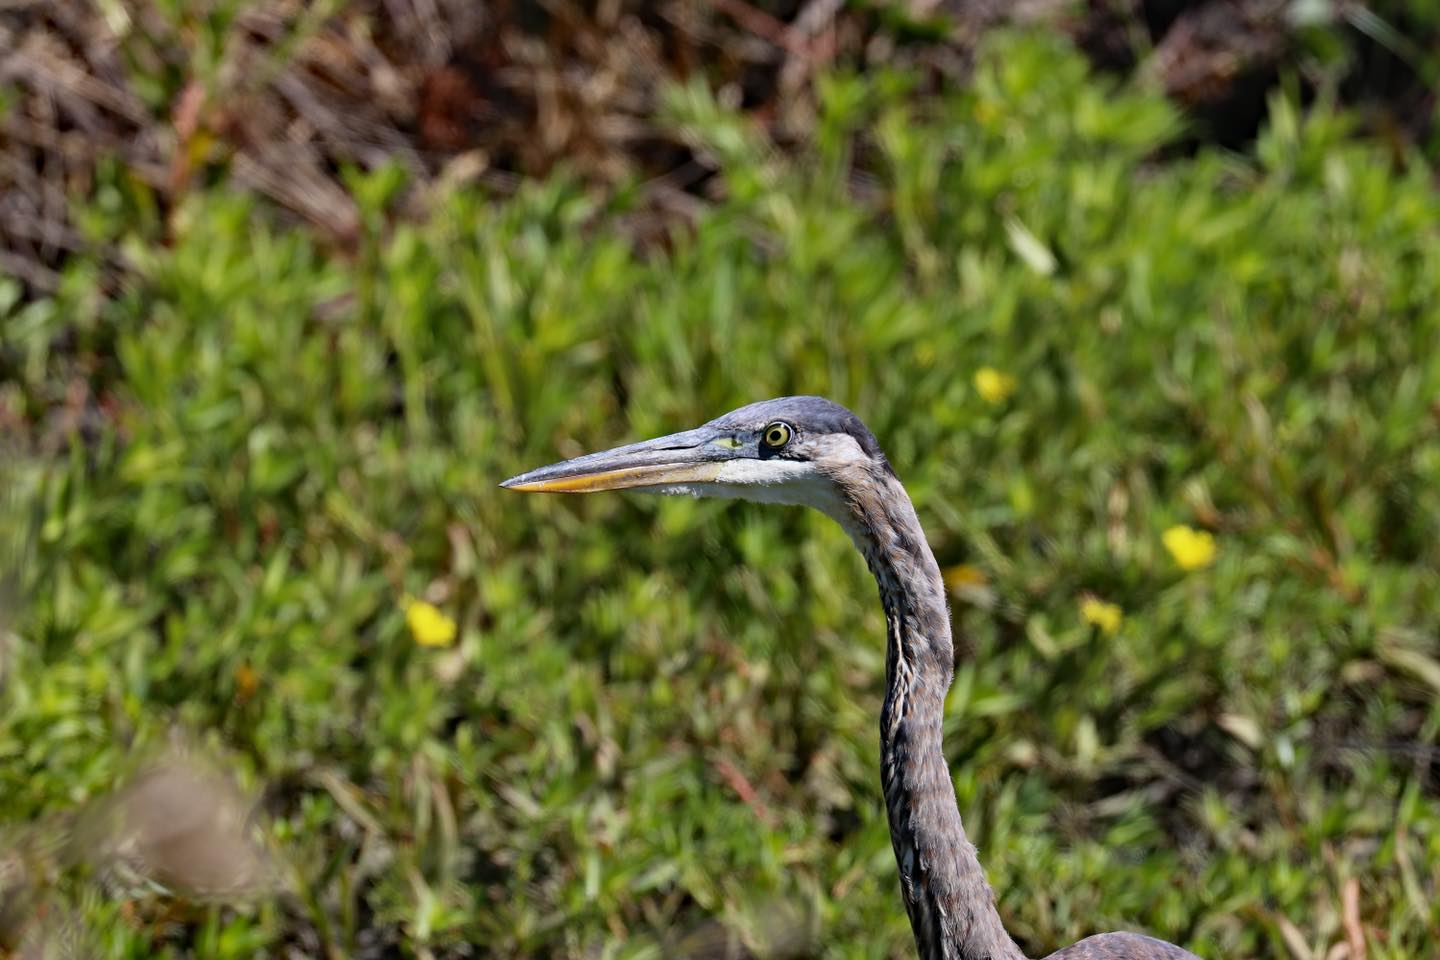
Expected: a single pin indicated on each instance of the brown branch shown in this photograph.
(1350, 914)
(763, 25)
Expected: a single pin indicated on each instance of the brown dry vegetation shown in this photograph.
(283, 97)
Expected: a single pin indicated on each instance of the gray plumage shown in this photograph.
(831, 461)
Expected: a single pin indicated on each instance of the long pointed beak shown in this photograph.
(681, 458)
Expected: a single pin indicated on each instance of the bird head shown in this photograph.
(797, 450)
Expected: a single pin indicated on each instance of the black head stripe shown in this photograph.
(809, 415)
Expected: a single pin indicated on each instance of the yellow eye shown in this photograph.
(777, 434)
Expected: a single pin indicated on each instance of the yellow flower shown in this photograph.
(992, 385)
(1192, 549)
(428, 625)
(247, 681)
(963, 575)
(1106, 616)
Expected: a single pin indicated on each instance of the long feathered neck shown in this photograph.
(951, 907)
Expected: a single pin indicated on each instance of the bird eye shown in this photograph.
(777, 434)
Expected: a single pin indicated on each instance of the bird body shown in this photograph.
(1121, 946)
(811, 451)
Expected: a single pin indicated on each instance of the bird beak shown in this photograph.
(681, 458)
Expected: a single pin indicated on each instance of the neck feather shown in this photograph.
(951, 907)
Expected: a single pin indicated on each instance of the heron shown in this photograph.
(813, 452)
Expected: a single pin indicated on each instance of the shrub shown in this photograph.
(656, 730)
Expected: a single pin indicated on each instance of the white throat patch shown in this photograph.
(776, 480)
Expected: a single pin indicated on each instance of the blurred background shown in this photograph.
(1142, 298)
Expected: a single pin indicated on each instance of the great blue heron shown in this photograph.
(810, 451)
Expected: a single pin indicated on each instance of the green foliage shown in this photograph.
(657, 727)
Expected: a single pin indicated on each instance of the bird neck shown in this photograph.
(951, 906)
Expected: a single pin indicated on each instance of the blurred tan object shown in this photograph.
(57, 934)
(180, 823)
(178, 826)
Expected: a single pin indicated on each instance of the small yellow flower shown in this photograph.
(963, 575)
(994, 386)
(1106, 616)
(1192, 549)
(428, 625)
(247, 681)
